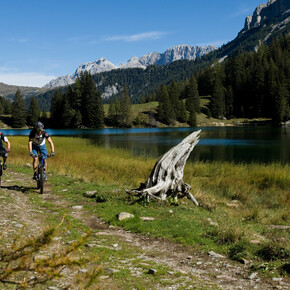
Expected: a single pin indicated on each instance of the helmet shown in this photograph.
(39, 126)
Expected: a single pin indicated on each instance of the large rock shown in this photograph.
(266, 12)
(124, 215)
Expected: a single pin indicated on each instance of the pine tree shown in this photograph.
(67, 112)
(33, 112)
(5, 106)
(229, 102)
(182, 113)
(217, 101)
(92, 107)
(165, 109)
(18, 111)
(192, 120)
(56, 110)
(125, 108)
(192, 93)
(173, 94)
(114, 112)
(44, 118)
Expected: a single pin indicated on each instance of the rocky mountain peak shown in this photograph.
(154, 58)
(265, 12)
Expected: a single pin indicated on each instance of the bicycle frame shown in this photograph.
(1, 169)
(40, 171)
(1, 165)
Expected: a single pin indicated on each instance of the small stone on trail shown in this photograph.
(90, 194)
(253, 275)
(77, 207)
(277, 279)
(146, 218)
(152, 271)
(215, 255)
(124, 215)
(255, 242)
(83, 270)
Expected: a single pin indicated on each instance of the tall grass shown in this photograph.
(261, 190)
(81, 159)
(243, 200)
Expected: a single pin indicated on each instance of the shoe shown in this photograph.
(35, 176)
(44, 176)
(4, 166)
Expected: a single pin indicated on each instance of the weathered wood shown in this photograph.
(166, 178)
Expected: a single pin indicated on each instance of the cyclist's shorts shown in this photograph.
(40, 149)
(3, 152)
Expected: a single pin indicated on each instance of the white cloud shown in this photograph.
(216, 43)
(137, 37)
(240, 12)
(25, 79)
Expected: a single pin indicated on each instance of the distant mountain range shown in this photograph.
(143, 75)
(154, 58)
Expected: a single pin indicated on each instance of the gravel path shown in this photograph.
(199, 270)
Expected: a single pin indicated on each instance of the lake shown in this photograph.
(233, 144)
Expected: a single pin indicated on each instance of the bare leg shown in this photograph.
(35, 164)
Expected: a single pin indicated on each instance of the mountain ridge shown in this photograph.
(172, 54)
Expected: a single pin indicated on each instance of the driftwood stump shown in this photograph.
(166, 178)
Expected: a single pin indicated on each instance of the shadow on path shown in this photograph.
(23, 189)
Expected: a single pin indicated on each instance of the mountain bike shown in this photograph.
(40, 171)
(1, 167)
(1, 170)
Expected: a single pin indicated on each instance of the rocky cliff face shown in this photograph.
(265, 12)
(154, 58)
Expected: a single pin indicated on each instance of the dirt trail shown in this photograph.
(201, 271)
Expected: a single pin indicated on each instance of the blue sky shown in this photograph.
(43, 39)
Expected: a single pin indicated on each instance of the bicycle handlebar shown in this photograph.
(42, 155)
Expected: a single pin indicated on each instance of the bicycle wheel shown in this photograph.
(1, 168)
(41, 179)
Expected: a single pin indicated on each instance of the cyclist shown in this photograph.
(4, 152)
(36, 144)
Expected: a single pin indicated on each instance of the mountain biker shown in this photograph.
(36, 144)
(4, 152)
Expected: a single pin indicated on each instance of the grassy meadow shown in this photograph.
(244, 207)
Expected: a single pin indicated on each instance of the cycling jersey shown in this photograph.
(2, 138)
(38, 140)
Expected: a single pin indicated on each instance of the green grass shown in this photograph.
(242, 199)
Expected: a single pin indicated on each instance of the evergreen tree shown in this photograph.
(56, 110)
(173, 94)
(125, 108)
(33, 112)
(5, 106)
(67, 113)
(92, 106)
(44, 118)
(192, 120)
(229, 102)
(75, 100)
(114, 112)
(217, 101)
(182, 113)
(165, 109)
(18, 111)
(192, 93)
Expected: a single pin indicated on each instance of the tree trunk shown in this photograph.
(166, 178)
